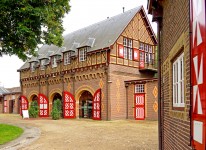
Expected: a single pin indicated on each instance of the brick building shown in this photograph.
(9, 100)
(89, 72)
(182, 101)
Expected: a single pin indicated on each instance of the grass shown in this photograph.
(9, 133)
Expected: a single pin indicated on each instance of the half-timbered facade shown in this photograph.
(182, 101)
(88, 72)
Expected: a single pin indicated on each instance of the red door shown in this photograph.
(198, 73)
(69, 105)
(96, 113)
(24, 104)
(139, 106)
(5, 106)
(43, 106)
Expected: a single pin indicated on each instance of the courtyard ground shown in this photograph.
(84, 134)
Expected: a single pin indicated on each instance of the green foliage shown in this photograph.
(9, 132)
(56, 109)
(34, 109)
(26, 23)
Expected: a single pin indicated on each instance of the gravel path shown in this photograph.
(83, 134)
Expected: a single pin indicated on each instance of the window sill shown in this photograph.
(178, 108)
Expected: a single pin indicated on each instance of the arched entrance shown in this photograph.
(85, 105)
(56, 96)
(34, 98)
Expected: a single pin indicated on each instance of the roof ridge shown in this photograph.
(104, 20)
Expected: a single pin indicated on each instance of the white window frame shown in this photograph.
(54, 61)
(82, 54)
(42, 64)
(33, 66)
(139, 88)
(67, 58)
(128, 51)
(178, 82)
(141, 46)
(141, 54)
(125, 52)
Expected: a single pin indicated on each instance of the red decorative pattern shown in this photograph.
(23, 104)
(121, 51)
(43, 106)
(69, 105)
(198, 73)
(136, 54)
(97, 105)
(139, 106)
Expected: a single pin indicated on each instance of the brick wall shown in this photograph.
(175, 39)
(151, 100)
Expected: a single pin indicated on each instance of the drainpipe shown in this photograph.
(191, 95)
(107, 90)
(126, 86)
(159, 88)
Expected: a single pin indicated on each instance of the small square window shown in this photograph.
(139, 88)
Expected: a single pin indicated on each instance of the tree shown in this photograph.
(34, 109)
(26, 23)
(56, 109)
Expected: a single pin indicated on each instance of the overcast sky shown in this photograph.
(82, 14)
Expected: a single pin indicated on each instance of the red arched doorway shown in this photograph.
(85, 105)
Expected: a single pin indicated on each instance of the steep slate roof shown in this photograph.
(3, 91)
(14, 90)
(97, 36)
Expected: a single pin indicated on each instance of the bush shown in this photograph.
(34, 109)
(56, 109)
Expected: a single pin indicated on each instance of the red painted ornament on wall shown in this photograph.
(198, 73)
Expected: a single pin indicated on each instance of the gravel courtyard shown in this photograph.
(83, 134)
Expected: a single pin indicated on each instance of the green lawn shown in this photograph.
(9, 132)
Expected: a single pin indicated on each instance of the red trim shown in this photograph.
(96, 105)
(139, 106)
(136, 54)
(120, 51)
(24, 104)
(69, 105)
(198, 78)
(43, 105)
(5, 106)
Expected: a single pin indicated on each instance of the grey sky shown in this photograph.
(82, 14)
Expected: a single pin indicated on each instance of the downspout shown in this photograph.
(107, 87)
(159, 88)
(191, 104)
(126, 86)
(107, 83)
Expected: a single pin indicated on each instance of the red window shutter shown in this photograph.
(121, 51)
(136, 54)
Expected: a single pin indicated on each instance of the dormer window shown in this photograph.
(67, 58)
(42, 65)
(54, 61)
(32, 66)
(82, 54)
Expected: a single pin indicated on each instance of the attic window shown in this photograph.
(82, 54)
(54, 61)
(67, 59)
(32, 66)
(42, 65)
